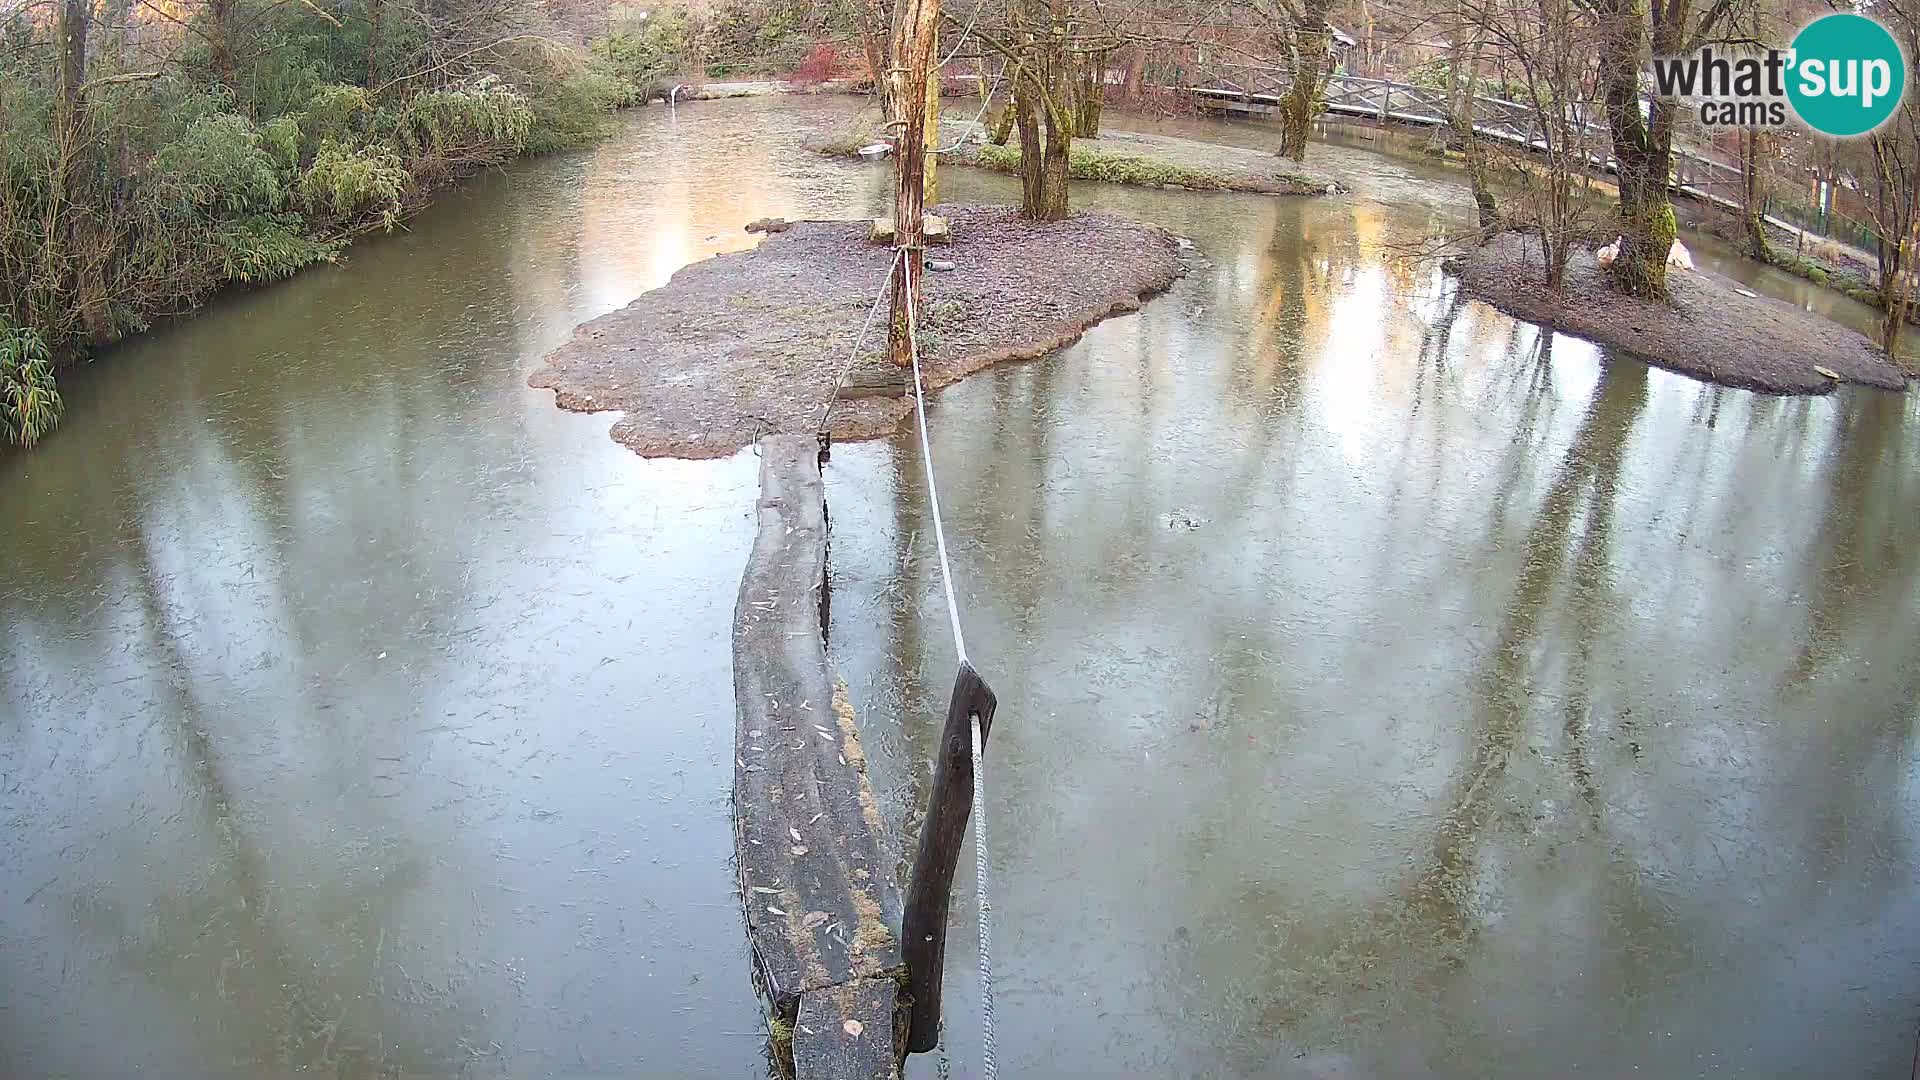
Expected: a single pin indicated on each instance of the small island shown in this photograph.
(758, 341)
(1709, 327)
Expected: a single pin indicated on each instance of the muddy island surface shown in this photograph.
(756, 342)
(1712, 329)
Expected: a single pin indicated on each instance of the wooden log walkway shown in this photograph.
(818, 879)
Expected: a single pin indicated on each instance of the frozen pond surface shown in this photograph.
(1387, 690)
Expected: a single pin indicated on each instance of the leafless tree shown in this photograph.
(1642, 129)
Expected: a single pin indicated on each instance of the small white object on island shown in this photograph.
(1678, 257)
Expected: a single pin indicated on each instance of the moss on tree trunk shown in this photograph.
(1312, 40)
(1043, 98)
(1753, 196)
(1054, 170)
(1026, 118)
(1478, 174)
(1642, 146)
(1089, 97)
(1002, 127)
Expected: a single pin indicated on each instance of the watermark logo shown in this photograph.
(1843, 76)
(1849, 77)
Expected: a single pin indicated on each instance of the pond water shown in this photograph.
(1387, 688)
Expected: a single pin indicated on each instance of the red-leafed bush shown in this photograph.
(818, 67)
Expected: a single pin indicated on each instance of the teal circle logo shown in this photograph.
(1848, 75)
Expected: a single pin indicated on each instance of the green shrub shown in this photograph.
(481, 124)
(220, 164)
(574, 110)
(282, 140)
(346, 182)
(267, 247)
(30, 403)
(336, 113)
(645, 52)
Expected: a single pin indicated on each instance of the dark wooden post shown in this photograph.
(923, 931)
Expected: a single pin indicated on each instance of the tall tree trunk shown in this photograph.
(1896, 212)
(1478, 173)
(913, 51)
(1136, 73)
(74, 162)
(73, 19)
(1026, 118)
(1643, 150)
(1897, 280)
(931, 97)
(1089, 95)
(876, 36)
(1055, 165)
(376, 12)
(220, 41)
(1055, 86)
(1753, 194)
(1043, 105)
(1369, 54)
(1311, 48)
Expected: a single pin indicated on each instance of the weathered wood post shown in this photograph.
(923, 930)
(930, 164)
(913, 46)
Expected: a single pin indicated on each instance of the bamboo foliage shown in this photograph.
(29, 402)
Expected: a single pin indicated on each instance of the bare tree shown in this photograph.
(1895, 149)
(1463, 75)
(1309, 43)
(1547, 47)
(1642, 130)
(1042, 43)
(875, 24)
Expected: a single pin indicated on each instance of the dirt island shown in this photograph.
(756, 342)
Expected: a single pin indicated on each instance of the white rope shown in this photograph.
(987, 1066)
(985, 103)
(854, 355)
(975, 17)
(926, 458)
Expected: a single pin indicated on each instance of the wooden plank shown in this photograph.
(817, 877)
(849, 1032)
(930, 888)
(876, 377)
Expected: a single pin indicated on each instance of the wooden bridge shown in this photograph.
(1256, 90)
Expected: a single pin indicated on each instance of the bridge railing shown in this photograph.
(1509, 121)
(1696, 172)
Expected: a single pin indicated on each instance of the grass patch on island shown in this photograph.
(1105, 166)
